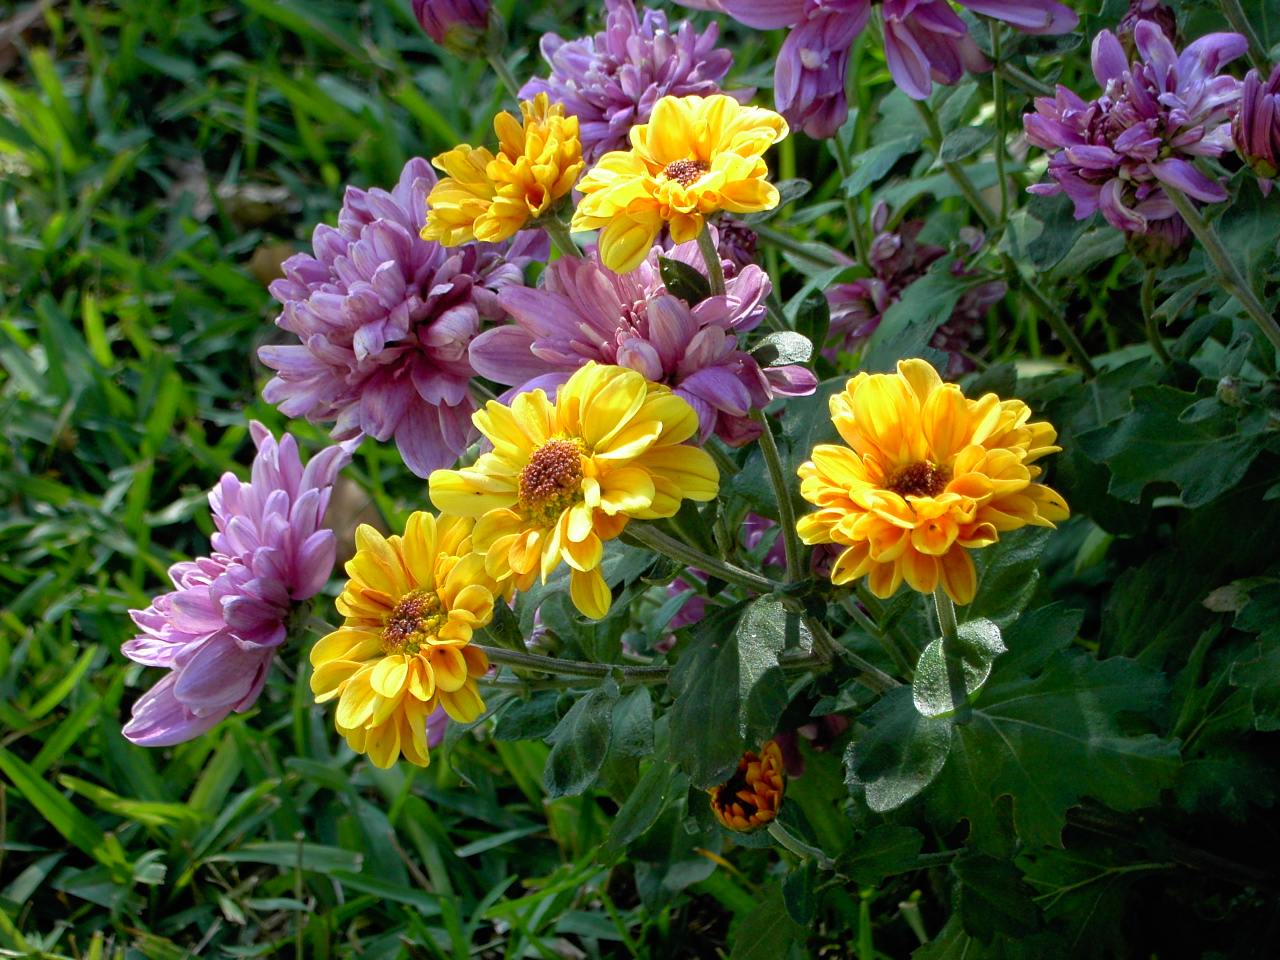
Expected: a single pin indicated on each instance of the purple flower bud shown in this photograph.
(1153, 11)
(460, 26)
(1256, 128)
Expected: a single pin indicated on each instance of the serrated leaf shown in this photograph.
(633, 724)
(992, 899)
(768, 933)
(900, 756)
(1007, 575)
(783, 347)
(1051, 740)
(580, 742)
(1152, 443)
(729, 689)
(531, 719)
(885, 851)
(952, 669)
(964, 142)
(684, 281)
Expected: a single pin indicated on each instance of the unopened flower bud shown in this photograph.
(460, 26)
(1229, 392)
(1139, 10)
(750, 798)
(1256, 127)
(1165, 243)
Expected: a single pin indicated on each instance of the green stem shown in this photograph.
(1228, 276)
(1020, 78)
(504, 74)
(1049, 313)
(657, 541)
(957, 173)
(1149, 317)
(850, 203)
(711, 257)
(1241, 24)
(568, 668)
(946, 613)
(786, 509)
(558, 231)
(798, 846)
(886, 641)
(813, 252)
(825, 647)
(997, 94)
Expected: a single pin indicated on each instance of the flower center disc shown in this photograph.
(685, 172)
(551, 481)
(923, 479)
(415, 619)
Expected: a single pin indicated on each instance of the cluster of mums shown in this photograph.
(417, 298)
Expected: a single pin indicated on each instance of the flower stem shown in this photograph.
(504, 74)
(1020, 78)
(1149, 316)
(957, 173)
(569, 668)
(997, 94)
(711, 257)
(1241, 24)
(561, 239)
(1228, 276)
(786, 509)
(657, 541)
(850, 203)
(887, 642)
(1049, 313)
(946, 613)
(798, 846)
(813, 252)
(825, 647)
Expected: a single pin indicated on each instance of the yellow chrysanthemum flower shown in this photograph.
(565, 477)
(696, 155)
(753, 795)
(929, 474)
(410, 607)
(487, 197)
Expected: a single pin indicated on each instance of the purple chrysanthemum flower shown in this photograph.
(385, 319)
(1117, 153)
(1256, 128)
(586, 312)
(1140, 10)
(925, 41)
(460, 26)
(611, 81)
(219, 629)
(897, 260)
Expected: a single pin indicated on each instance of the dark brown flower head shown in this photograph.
(752, 796)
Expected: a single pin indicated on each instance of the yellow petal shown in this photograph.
(590, 594)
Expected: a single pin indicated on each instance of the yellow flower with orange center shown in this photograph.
(488, 197)
(696, 155)
(410, 606)
(752, 796)
(930, 474)
(565, 477)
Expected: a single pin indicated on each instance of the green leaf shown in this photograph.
(964, 142)
(1008, 572)
(729, 689)
(873, 164)
(901, 754)
(800, 893)
(1260, 676)
(1050, 741)
(1060, 229)
(140, 811)
(769, 932)
(426, 904)
(885, 851)
(633, 724)
(531, 719)
(311, 856)
(503, 630)
(1205, 458)
(952, 669)
(991, 898)
(813, 318)
(909, 324)
(581, 742)
(660, 784)
(684, 281)
(668, 858)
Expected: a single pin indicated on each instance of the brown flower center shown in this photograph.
(685, 172)
(923, 479)
(417, 617)
(551, 482)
